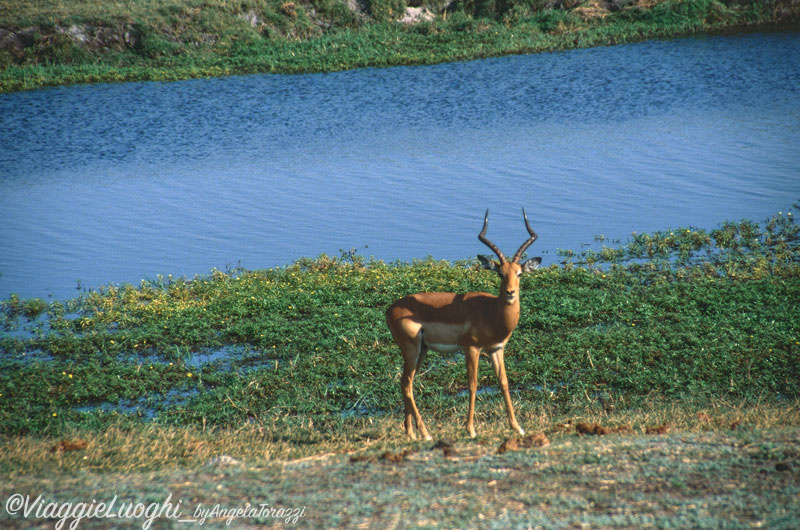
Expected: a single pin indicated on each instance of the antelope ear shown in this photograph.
(488, 263)
(531, 264)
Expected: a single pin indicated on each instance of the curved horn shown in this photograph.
(485, 241)
(527, 243)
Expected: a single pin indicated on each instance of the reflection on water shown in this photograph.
(123, 182)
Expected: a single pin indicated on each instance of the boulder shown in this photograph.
(415, 15)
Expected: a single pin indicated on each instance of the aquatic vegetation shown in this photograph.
(683, 314)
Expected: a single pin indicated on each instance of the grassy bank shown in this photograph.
(65, 42)
(663, 374)
(688, 315)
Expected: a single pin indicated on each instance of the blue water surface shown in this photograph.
(121, 182)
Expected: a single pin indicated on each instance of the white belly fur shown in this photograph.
(443, 348)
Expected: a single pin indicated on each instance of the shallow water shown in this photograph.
(116, 183)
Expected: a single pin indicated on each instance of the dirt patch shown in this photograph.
(583, 428)
(70, 445)
(515, 444)
(724, 479)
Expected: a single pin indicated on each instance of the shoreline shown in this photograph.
(99, 48)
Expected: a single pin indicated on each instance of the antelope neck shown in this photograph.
(509, 311)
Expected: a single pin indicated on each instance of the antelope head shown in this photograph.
(509, 271)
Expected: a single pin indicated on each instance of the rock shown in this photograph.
(450, 452)
(87, 36)
(415, 15)
(8, 40)
(251, 17)
(538, 439)
(392, 457)
(132, 38)
(660, 429)
(74, 32)
(223, 460)
(16, 41)
(396, 457)
(591, 428)
(444, 443)
(510, 444)
(358, 7)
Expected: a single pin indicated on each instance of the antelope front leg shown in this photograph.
(499, 365)
(472, 355)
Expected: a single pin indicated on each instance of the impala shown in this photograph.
(471, 322)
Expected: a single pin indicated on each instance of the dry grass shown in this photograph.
(66, 10)
(157, 447)
(719, 478)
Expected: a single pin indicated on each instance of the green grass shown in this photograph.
(164, 41)
(688, 333)
(682, 314)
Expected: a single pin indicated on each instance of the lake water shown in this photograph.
(117, 183)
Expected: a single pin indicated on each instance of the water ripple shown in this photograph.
(121, 182)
